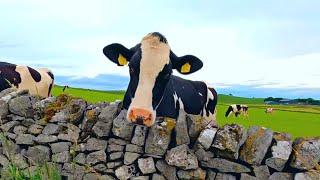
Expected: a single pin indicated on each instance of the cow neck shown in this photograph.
(165, 89)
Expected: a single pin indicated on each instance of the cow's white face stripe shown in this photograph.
(154, 56)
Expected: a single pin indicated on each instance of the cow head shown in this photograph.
(150, 65)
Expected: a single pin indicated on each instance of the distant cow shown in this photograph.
(38, 82)
(269, 110)
(237, 109)
(65, 88)
(153, 90)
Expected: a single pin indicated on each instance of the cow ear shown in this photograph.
(117, 53)
(186, 64)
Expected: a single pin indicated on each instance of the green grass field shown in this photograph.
(299, 121)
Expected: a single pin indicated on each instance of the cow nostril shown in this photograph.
(139, 120)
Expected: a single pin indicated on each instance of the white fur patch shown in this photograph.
(35, 88)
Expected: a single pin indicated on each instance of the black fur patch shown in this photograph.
(229, 110)
(51, 75)
(238, 107)
(8, 76)
(49, 90)
(35, 74)
(161, 37)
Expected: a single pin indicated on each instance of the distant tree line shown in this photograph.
(308, 101)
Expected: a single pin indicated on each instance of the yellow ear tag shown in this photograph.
(185, 68)
(122, 60)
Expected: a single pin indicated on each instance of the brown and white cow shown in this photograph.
(269, 110)
(153, 90)
(37, 81)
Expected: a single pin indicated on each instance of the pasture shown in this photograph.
(299, 121)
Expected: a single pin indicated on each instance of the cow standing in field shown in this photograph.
(38, 82)
(153, 90)
(237, 109)
(269, 111)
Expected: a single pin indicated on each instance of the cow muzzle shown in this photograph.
(141, 116)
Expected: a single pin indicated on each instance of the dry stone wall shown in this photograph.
(95, 141)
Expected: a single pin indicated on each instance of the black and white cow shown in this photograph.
(237, 109)
(153, 90)
(38, 82)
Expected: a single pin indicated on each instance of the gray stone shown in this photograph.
(224, 165)
(228, 140)
(51, 129)
(223, 176)
(35, 129)
(130, 157)
(72, 134)
(261, 172)
(114, 148)
(146, 165)
(181, 129)
(4, 162)
(159, 137)
(62, 157)
(281, 176)
(73, 171)
(211, 175)
(10, 148)
(158, 177)
(22, 106)
(196, 124)
(28, 122)
(19, 130)
(206, 137)
(106, 177)
(245, 176)
(281, 150)
(60, 147)
(306, 153)
(7, 126)
(181, 156)
(122, 127)
(256, 145)
(4, 109)
(11, 136)
(112, 165)
(92, 176)
(108, 114)
(139, 135)
(96, 157)
(115, 156)
(94, 144)
(25, 139)
(134, 148)
(140, 178)
(192, 174)
(118, 141)
(203, 155)
(45, 139)
(38, 155)
(5, 92)
(80, 158)
(100, 168)
(125, 172)
(310, 175)
(167, 171)
(101, 129)
(19, 161)
(72, 112)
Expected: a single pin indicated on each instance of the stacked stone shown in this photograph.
(86, 141)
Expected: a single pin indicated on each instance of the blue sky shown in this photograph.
(249, 48)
